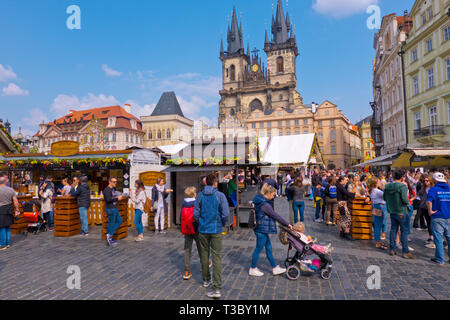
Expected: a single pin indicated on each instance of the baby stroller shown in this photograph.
(35, 222)
(305, 247)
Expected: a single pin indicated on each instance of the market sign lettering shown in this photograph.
(65, 148)
(149, 178)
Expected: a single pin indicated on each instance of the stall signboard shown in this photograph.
(65, 148)
(149, 178)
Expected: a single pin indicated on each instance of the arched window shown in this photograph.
(256, 105)
(150, 135)
(159, 134)
(233, 73)
(280, 64)
(232, 112)
(168, 134)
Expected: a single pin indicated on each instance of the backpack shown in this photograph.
(252, 222)
(332, 192)
(148, 204)
(187, 221)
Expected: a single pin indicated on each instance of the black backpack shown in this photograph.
(252, 223)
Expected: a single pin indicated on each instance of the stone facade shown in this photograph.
(166, 130)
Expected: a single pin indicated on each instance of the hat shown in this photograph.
(439, 177)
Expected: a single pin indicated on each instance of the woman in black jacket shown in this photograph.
(83, 193)
(345, 217)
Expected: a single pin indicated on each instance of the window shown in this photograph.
(327, 112)
(126, 138)
(332, 123)
(400, 130)
(305, 122)
(300, 111)
(233, 72)
(261, 125)
(150, 136)
(430, 78)
(447, 33)
(333, 134)
(280, 123)
(159, 134)
(297, 132)
(417, 120)
(392, 71)
(319, 123)
(430, 13)
(253, 125)
(280, 65)
(168, 134)
(394, 96)
(320, 134)
(416, 85)
(306, 131)
(448, 112)
(399, 93)
(414, 55)
(296, 122)
(429, 45)
(269, 124)
(288, 123)
(424, 19)
(448, 68)
(433, 117)
(288, 133)
(333, 149)
(367, 134)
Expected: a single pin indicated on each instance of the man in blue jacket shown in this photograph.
(211, 211)
(438, 203)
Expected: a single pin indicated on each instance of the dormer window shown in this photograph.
(133, 124)
(111, 122)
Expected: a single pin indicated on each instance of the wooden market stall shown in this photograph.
(66, 217)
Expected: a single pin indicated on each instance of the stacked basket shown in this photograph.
(361, 219)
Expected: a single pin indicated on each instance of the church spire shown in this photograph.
(280, 27)
(235, 38)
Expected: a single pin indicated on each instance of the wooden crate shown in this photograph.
(66, 217)
(361, 219)
(21, 224)
(151, 221)
(122, 231)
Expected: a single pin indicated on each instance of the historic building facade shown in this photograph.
(389, 121)
(107, 128)
(367, 142)
(427, 73)
(167, 125)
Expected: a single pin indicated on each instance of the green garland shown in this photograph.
(66, 162)
(15, 144)
(212, 161)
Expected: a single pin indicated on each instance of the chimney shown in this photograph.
(127, 108)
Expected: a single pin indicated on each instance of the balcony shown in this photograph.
(430, 135)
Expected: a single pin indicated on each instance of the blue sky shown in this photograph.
(131, 51)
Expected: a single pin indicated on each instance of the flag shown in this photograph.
(366, 169)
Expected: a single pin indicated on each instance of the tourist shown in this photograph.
(83, 193)
(160, 207)
(297, 189)
(211, 210)
(9, 208)
(318, 201)
(331, 201)
(427, 184)
(290, 198)
(438, 202)
(345, 217)
(279, 183)
(66, 188)
(266, 219)
(114, 219)
(46, 195)
(378, 204)
(315, 179)
(396, 197)
(139, 202)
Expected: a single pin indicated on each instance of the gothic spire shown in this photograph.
(221, 47)
(280, 27)
(235, 38)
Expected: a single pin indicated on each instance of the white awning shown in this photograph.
(286, 149)
(379, 161)
(431, 152)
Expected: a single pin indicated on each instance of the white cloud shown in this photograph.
(111, 72)
(342, 8)
(14, 90)
(138, 110)
(63, 103)
(6, 73)
(35, 118)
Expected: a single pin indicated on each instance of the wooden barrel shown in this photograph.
(122, 231)
(66, 217)
(361, 219)
(21, 224)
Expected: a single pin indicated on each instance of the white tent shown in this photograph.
(173, 149)
(297, 149)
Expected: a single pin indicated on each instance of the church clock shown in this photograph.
(255, 68)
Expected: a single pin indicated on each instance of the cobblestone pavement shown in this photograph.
(35, 267)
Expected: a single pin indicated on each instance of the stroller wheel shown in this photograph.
(325, 274)
(293, 272)
(289, 262)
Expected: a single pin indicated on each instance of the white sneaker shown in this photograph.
(318, 220)
(255, 272)
(278, 270)
(430, 245)
(411, 249)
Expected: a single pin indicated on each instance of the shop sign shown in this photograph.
(65, 148)
(149, 178)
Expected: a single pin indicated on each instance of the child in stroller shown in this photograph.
(31, 212)
(305, 246)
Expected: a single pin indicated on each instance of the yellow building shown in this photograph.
(167, 124)
(367, 142)
(427, 75)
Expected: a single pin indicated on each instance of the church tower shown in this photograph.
(235, 62)
(282, 51)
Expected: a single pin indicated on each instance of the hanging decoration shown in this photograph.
(14, 143)
(212, 161)
(69, 163)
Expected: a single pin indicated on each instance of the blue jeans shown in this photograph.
(48, 216)
(5, 236)
(385, 220)
(318, 208)
(114, 220)
(298, 206)
(401, 221)
(410, 214)
(378, 222)
(441, 229)
(138, 221)
(263, 240)
(83, 218)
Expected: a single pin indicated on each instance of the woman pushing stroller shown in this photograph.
(266, 219)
